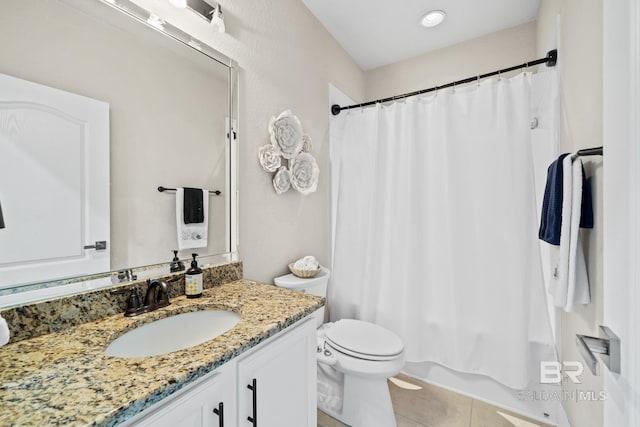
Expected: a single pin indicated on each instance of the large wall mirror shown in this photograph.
(99, 106)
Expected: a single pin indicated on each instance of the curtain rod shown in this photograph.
(550, 60)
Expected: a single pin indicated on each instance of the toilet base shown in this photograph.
(366, 402)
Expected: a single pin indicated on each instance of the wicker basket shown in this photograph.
(305, 274)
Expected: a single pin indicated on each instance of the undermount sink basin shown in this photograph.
(173, 333)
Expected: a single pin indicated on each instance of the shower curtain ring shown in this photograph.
(436, 91)
(478, 81)
(499, 75)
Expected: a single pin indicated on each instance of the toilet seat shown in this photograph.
(363, 340)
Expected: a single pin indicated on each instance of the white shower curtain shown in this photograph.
(436, 229)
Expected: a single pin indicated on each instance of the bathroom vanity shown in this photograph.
(274, 383)
(263, 368)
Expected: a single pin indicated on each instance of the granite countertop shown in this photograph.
(65, 378)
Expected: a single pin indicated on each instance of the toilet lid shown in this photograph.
(364, 340)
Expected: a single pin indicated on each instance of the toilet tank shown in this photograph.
(316, 285)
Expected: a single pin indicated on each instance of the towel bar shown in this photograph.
(163, 189)
(608, 346)
(595, 151)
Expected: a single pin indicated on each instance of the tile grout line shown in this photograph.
(471, 407)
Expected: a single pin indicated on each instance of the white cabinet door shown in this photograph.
(277, 382)
(209, 403)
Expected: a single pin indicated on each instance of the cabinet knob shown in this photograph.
(219, 411)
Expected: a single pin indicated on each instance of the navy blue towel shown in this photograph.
(586, 212)
(193, 206)
(551, 221)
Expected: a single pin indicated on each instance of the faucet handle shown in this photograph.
(133, 304)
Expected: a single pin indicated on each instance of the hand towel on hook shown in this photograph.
(192, 235)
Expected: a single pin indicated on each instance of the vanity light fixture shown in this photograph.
(433, 18)
(212, 14)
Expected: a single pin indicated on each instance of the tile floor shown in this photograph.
(426, 405)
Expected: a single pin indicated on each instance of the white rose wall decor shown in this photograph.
(289, 145)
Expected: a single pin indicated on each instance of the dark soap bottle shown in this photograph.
(193, 280)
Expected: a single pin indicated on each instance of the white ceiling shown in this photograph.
(380, 32)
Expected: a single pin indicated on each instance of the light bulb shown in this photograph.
(180, 4)
(217, 20)
(155, 22)
(194, 44)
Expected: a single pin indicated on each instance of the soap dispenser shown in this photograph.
(193, 280)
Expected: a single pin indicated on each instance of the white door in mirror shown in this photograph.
(54, 166)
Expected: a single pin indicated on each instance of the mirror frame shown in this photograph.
(21, 294)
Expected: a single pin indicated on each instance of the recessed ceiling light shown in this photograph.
(433, 18)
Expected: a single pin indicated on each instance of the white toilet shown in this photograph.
(355, 358)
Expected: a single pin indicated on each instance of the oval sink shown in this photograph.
(173, 333)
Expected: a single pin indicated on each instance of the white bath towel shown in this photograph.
(569, 283)
(191, 235)
(4, 332)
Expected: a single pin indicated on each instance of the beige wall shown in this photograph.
(580, 65)
(286, 60)
(482, 55)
